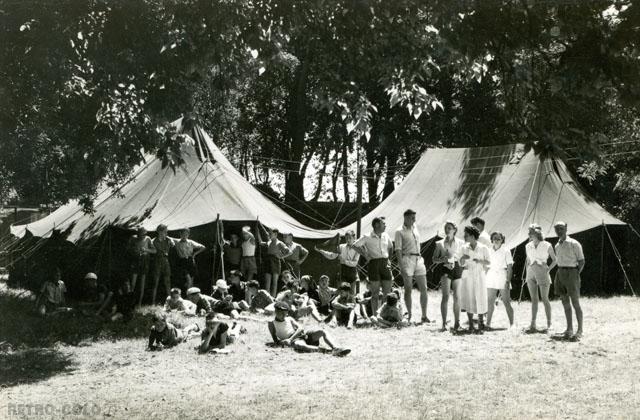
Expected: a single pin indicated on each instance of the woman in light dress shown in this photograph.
(474, 261)
(499, 277)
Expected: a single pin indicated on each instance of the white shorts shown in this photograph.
(413, 265)
(497, 278)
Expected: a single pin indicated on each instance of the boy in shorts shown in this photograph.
(389, 315)
(165, 334)
(286, 331)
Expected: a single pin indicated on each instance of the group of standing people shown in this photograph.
(475, 270)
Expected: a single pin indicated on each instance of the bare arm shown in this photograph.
(206, 339)
(328, 255)
(272, 330)
(580, 265)
(554, 260)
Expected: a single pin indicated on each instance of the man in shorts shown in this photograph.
(376, 247)
(407, 244)
(570, 259)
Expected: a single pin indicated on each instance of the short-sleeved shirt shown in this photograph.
(54, 292)
(138, 245)
(92, 294)
(375, 247)
(186, 247)
(217, 335)
(454, 247)
(390, 313)
(205, 303)
(277, 248)
(179, 305)
(163, 246)
(569, 252)
(298, 252)
(407, 239)
(484, 238)
(233, 253)
(500, 258)
(539, 254)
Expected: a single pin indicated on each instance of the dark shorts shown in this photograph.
(292, 266)
(140, 265)
(162, 267)
(567, 281)
(453, 273)
(379, 270)
(223, 307)
(274, 265)
(348, 274)
(342, 317)
(186, 266)
(312, 336)
(248, 265)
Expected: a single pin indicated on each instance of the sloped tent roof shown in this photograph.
(203, 187)
(507, 186)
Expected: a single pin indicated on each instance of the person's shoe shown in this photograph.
(243, 330)
(456, 328)
(567, 334)
(531, 330)
(340, 352)
(481, 326)
(577, 336)
(328, 319)
(425, 320)
(443, 328)
(478, 331)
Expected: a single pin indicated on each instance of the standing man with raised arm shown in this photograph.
(376, 247)
(248, 265)
(297, 255)
(407, 245)
(348, 258)
(570, 260)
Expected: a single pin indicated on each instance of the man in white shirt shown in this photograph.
(407, 245)
(485, 238)
(376, 248)
(186, 250)
(348, 258)
(570, 259)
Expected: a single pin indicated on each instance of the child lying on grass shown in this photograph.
(217, 334)
(175, 302)
(286, 331)
(165, 334)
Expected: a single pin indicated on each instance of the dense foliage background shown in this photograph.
(293, 90)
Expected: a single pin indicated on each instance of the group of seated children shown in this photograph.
(95, 299)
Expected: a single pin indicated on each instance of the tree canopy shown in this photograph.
(89, 88)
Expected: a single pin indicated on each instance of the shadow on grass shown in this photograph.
(32, 365)
(22, 327)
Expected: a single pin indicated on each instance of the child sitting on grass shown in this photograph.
(51, 298)
(217, 334)
(325, 295)
(390, 314)
(300, 305)
(175, 302)
(257, 298)
(122, 305)
(203, 303)
(224, 301)
(286, 331)
(344, 307)
(238, 290)
(165, 334)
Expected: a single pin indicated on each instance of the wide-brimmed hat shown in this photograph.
(222, 284)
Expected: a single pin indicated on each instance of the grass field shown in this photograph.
(413, 373)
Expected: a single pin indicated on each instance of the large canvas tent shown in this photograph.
(204, 193)
(195, 193)
(510, 187)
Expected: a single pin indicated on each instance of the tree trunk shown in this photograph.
(389, 184)
(345, 172)
(371, 174)
(297, 122)
(325, 161)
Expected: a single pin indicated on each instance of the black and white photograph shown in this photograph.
(312, 209)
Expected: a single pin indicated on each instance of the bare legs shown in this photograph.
(446, 285)
(505, 296)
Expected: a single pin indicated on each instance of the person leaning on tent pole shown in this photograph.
(407, 245)
(162, 268)
(348, 258)
(297, 255)
(570, 264)
(539, 252)
(376, 247)
(446, 259)
(248, 264)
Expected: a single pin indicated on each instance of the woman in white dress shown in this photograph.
(474, 261)
(499, 277)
